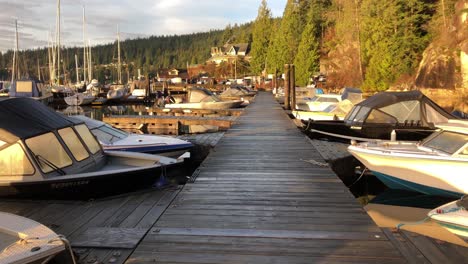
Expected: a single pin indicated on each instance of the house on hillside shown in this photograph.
(173, 75)
(229, 53)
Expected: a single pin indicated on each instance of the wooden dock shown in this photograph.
(263, 195)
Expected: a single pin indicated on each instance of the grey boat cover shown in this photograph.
(22, 118)
(390, 107)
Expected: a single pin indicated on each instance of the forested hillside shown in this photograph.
(372, 44)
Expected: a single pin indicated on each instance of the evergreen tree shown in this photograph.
(394, 37)
(260, 38)
(287, 38)
(307, 60)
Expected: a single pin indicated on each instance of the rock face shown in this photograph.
(445, 61)
(342, 65)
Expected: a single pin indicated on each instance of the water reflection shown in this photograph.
(389, 208)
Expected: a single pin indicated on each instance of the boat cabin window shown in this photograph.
(404, 111)
(379, 117)
(360, 115)
(88, 138)
(73, 143)
(108, 135)
(48, 152)
(447, 141)
(14, 162)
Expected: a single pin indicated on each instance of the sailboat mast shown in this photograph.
(84, 46)
(90, 62)
(15, 54)
(77, 72)
(38, 69)
(119, 65)
(58, 42)
(49, 56)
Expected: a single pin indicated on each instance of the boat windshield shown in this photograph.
(108, 135)
(447, 141)
(14, 162)
(49, 153)
(88, 138)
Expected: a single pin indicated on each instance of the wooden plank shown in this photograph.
(109, 237)
(406, 248)
(182, 257)
(303, 234)
(427, 248)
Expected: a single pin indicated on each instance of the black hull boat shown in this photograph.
(340, 132)
(48, 155)
(411, 115)
(84, 187)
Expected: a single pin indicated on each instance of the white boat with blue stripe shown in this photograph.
(113, 139)
(437, 165)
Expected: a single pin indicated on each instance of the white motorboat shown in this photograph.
(332, 112)
(117, 94)
(115, 139)
(437, 165)
(46, 154)
(23, 240)
(201, 98)
(79, 99)
(453, 216)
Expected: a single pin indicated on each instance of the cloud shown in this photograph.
(140, 18)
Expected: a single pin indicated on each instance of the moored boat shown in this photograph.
(437, 165)
(23, 240)
(411, 114)
(453, 217)
(79, 99)
(115, 139)
(201, 98)
(46, 154)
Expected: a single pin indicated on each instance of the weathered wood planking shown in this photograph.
(265, 195)
(117, 223)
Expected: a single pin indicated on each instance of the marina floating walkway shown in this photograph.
(264, 195)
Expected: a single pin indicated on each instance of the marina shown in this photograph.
(250, 201)
(316, 132)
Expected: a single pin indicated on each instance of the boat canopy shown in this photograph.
(200, 94)
(398, 108)
(25, 88)
(354, 95)
(22, 118)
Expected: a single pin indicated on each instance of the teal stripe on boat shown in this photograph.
(396, 183)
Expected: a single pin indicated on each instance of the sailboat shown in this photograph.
(119, 91)
(85, 97)
(26, 87)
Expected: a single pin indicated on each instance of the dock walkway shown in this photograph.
(265, 195)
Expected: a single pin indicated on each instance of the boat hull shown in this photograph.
(339, 131)
(89, 186)
(426, 174)
(164, 150)
(207, 105)
(452, 217)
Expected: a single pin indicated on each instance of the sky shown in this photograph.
(134, 18)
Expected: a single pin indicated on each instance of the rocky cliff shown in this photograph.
(445, 61)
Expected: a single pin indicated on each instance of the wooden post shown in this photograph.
(292, 85)
(287, 99)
